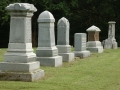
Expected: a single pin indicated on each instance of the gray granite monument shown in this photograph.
(110, 42)
(80, 45)
(47, 52)
(19, 61)
(93, 44)
(64, 49)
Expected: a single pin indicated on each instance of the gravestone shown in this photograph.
(47, 52)
(64, 49)
(93, 44)
(80, 45)
(110, 42)
(20, 62)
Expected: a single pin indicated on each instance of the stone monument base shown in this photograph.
(20, 71)
(95, 46)
(67, 57)
(115, 45)
(82, 54)
(50, 61)
(21, 76)
(110, 44)
(95, 49)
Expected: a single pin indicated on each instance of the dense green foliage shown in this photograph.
(80, 13)
(100, 71)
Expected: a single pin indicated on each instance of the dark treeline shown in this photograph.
(81, 14)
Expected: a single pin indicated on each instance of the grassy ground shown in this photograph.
(97, 72)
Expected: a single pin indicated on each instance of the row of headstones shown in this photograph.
(20, 63)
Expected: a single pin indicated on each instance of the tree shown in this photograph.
(80, 13)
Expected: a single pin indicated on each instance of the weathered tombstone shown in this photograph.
(93, 44)
(20, 61)
(110, 42)
(80, 45)
(64, 49)
(47, 53)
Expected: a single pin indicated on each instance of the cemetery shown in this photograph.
(55, 63)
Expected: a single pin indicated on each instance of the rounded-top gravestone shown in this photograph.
(63, 31)
(47, 53)
(64, 49)
(46, 16)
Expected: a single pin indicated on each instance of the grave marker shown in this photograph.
(80, 45)
(110, 42)
(93, 44)
(64, 49)
(47, 53)
(19, 61)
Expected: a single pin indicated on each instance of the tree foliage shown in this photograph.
(80, 13)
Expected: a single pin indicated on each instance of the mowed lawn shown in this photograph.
(97, 72)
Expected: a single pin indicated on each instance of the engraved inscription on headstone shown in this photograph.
(63, 32)
(28, 30)
(17, 27)
(96, 36)
(80, 41)
(44, 41)
(93, 36)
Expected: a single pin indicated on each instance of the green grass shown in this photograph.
(97, 72)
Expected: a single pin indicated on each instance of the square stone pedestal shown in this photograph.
(82, 54)
(95, 46)
(110, 44)
(96, 49)
(20, 71)
(65, 52)
(115, 45)
(50, 61)
(67, 57)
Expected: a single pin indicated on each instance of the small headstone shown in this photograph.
(80, 45)
(64, 49)
(93, 44)
(110, 42)
(47, 53)
(20, 61)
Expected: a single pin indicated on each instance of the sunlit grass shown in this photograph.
(100, 71)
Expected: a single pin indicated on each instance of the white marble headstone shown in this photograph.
(47, 53)
(80, 41)
(63, 31)
(80, 45)
(19, 61)
(64, 49)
